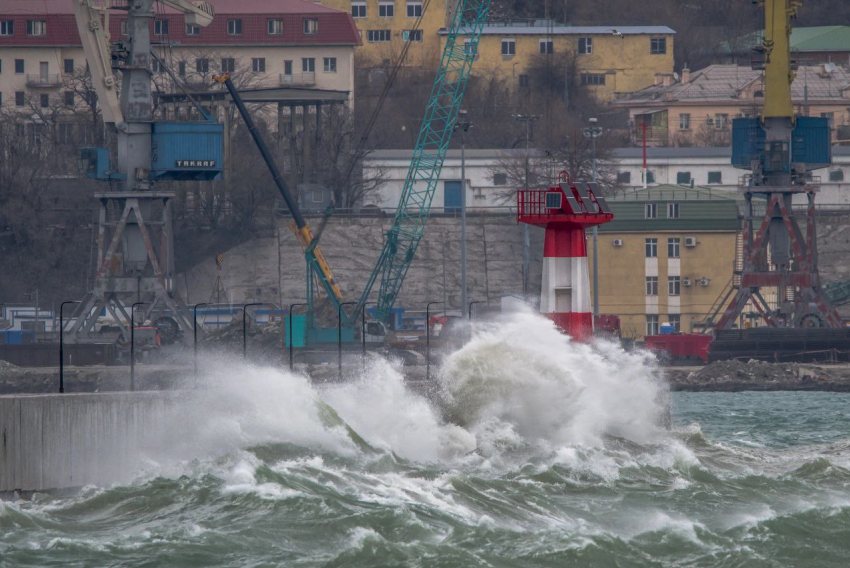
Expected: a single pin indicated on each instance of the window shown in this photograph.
(672, 210)
(202, 65)
(373, 36)
(124, 29)
(358, 9)
(624, 177)
(715, 177)
(160, 27)
(287, 67)
(836, 175)
(181, 68)
(673, 247)
(592, 78)
(650, 176)
(69, 66)
(585, 45)
(157, 66)
(683, 178)
(330, 64)
(524, 81)
(234, 27)
(7, 27)
(308, 65)
(311, 26)
(650, 211)
(652, 285)
(386, 10)
(721, 121)
(658, 46)
(19, 66)
(69, 98)
(258, 65)
(414, 9)
(508, 47)
(412, 35)
(547, 47)
(19, 98)
(45, 100)
(500, 179)
(651, 325)
(673, 285)
(228, 65)
(36, 27)
(651, 248)
(684, 122)
(193, 29)
(676, 321)
(276, 26)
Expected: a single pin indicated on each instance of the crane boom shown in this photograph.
(432, 143)
(93, 27)
(314, 256)
(778, 71)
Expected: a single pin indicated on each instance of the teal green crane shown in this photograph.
(435, 134)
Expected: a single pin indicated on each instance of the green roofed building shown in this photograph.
(810, 45)
(666, 257)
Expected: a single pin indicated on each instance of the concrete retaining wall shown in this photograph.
(61, 441)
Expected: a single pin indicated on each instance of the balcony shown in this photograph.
(298, 79)
(44, 81)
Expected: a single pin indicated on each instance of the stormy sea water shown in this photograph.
(534, 452)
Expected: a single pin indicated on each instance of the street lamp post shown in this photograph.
(292, 339)
(195, 331)
(133, 344)
(363, 330)
(61, 344)
(245, 328)
(428, 339)
(463, 124)
(528, 119)
(339, 334)
(593, 132)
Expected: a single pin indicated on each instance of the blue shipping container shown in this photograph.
(187, 150)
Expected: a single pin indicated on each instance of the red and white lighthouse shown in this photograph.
(566, 211)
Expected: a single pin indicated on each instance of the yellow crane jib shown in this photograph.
(778, 69)
(305, 237)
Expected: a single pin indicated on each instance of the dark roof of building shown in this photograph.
(735, 84)
(699, 209)
(335, 27)
(536, 28)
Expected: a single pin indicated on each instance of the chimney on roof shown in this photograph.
(686, 75)
(665, 79)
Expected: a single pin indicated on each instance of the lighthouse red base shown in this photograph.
(565, 211)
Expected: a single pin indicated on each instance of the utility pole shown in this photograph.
(593, 132)
(528, 119)
(463, 124)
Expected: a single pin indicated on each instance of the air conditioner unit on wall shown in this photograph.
(686, 282)
(704, 281)
(618, 242)
(690, 241)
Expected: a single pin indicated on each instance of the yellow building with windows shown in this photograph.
(667, 257)
(609, 60)
(386, 25)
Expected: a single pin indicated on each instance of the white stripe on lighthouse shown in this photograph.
(566, 286)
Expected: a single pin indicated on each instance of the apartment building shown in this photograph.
(666, 257)
(386, 26)
(697, 108)
(606, 60)
(264, 43)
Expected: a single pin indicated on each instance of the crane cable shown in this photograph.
(373, 119)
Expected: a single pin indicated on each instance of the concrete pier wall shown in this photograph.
(60, 441)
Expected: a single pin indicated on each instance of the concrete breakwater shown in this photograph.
(59, 441)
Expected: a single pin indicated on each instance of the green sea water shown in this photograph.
(534, 452)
